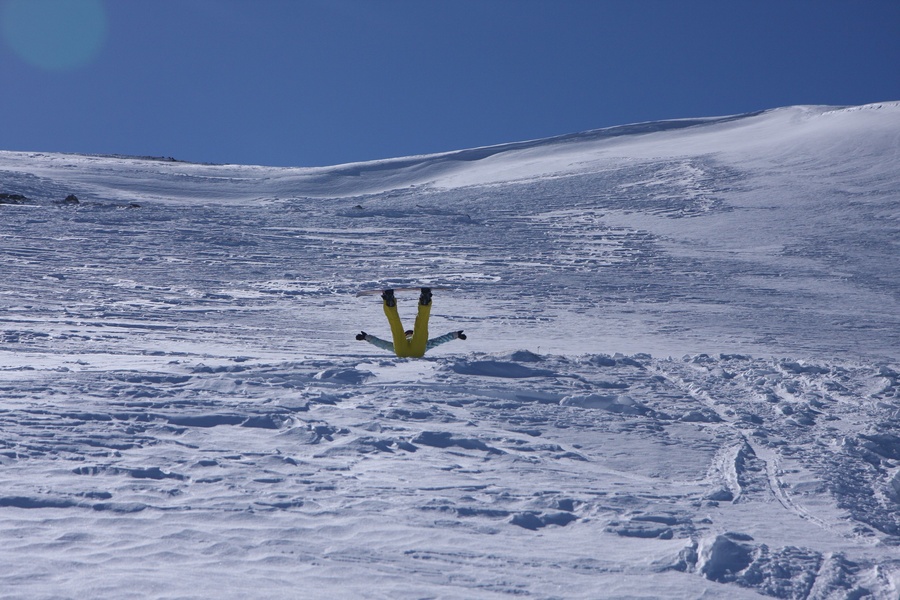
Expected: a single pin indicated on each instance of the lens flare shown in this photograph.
(54, 34)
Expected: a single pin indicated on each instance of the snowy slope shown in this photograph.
(681, 377)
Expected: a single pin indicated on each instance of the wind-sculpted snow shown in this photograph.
(184, 411)
(468, 463)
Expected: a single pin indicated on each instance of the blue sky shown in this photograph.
(322, 82)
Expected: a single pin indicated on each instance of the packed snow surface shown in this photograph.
(681, 377)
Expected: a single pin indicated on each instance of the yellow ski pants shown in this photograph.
(403, 347)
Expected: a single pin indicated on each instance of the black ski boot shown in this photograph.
(388, 297)
(425, 297)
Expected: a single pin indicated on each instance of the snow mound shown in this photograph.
(612, 403)
(495, 368)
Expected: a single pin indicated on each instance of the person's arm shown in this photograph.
(453, 335)
(375, 341)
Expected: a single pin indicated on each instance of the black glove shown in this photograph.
(460, 335)
(361, 336)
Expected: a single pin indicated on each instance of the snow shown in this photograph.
(681, 377)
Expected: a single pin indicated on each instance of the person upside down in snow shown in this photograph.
(413, 343)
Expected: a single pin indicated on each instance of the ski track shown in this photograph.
(185, 412)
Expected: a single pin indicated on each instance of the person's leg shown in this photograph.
(420, 333)
(401, 345)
